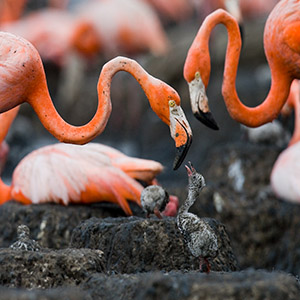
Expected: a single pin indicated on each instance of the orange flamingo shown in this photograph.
(64, 173)
(22, 79)
(55, 33)
(285, 173)
(175, 10)
(11, 10)
(129, 26)
(281, 42)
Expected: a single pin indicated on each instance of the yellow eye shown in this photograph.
(172, 103)
(197, 74)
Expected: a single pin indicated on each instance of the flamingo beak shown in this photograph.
(181, 133)
(199, 103)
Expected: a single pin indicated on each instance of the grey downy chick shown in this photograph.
(200, 238)
(154, 200)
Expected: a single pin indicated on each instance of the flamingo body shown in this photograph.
(125, 26)
(286, 173)
(55, 33)
(65, 174)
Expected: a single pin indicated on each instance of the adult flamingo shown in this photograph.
(64, 173)
(22, 79)
(129, 26)
(285, 173)
(55, 33)
(281, 42)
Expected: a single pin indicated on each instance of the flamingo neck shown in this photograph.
(190, 200)
(41, 102)
(6, 119)
(269, 109)
(296, 104)
(5, 192)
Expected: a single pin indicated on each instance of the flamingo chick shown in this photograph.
(198, 234)
(281, 43)
(21, 71)
(156, 200)
(24, 241)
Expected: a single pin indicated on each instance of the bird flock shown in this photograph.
(79, 171)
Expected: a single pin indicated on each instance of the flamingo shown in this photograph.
(11, 10)
(198, 234)
(22, 79)
(129, 26)
(285, 172)
(281, 43)
(55, 33)
(64, 173)
(175, 10)
(155, 199)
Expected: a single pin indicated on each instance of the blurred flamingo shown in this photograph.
(64, 173)
(56, 33)
(127, 27)
(174, 10)
(11, 10)
(285, 173)
(22, 79)
(281, 43)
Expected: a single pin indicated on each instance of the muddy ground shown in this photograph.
(96, 252)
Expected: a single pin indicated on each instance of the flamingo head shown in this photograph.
(85, 39)
(196, 73)
(165, 102)
(196, 180)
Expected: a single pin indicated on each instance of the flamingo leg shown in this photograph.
(204, 265)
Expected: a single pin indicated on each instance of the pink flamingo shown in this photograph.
(285, 173)
(129, 26)
(175, 10)
(281, 42)
(55, 33)
(22, 72)
(64, 173)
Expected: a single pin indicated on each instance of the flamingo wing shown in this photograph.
(65, 173)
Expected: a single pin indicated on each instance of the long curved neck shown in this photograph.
(6, 119)
(41, 102)
(296, 104)
(269, 109)
(193, 193)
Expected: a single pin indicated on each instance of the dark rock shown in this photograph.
(68, 293)
(48, 268)
(177, 285)
(51, 225)
(135, 245)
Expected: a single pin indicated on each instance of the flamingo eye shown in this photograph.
(197, 75)
(172, 103)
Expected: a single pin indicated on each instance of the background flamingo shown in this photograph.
(280, 41)
(286, 170)
(22, 71)
(56, 34)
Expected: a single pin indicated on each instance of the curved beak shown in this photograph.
(181, 133)
(199, 103)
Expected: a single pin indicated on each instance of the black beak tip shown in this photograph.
(207, 119)
(181, 153)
